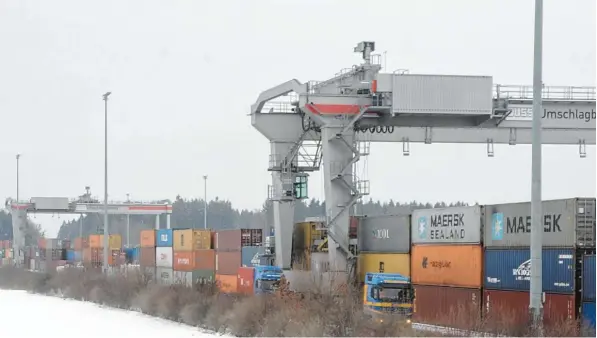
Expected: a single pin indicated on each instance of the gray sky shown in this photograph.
(183, 75)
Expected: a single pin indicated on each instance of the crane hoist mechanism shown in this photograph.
(333, 122)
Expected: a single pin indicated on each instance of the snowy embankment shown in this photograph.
(29, 315)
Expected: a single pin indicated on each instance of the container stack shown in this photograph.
(588, 290)
(194, 258)
(568, 229)
(384, 245)
(147, 252)
(53, 252)
(164, 257)
(94, 254)
(446, 261)
(229, 246)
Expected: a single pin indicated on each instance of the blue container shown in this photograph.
(509, 269)
(78, 256)
(250, 255)
(588, 278)
(70, 255)
(135, 254)
(588, 313)
(163, 237)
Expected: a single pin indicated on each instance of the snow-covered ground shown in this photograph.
(29, 315)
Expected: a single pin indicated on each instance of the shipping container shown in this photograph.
(163, 238)
(449, 306)
(588, 278)
(194, 260)
(245, 280)
(163, 257)
(164, 276)
(512, 307)
(41, 243)
(78, 256)
(439, 94)
(190, 239)
(227, 283)
(147, 257)
(455, 225)
(566, 223)
(384, 234)
(250, 255)
(234, 239)
(50, 203)
(96, 241)
(115, 242)
(190, 278)
(588, 314)
(87, 255)
(70, 255)
(383, 263)
(227, 262)
(79, 243)
(147, 238)
(53, 243)
(510, 269)
(447, 265)
(66, 244)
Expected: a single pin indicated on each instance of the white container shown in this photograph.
(163, 257)
(164, 276)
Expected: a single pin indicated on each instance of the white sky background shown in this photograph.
(183, 75)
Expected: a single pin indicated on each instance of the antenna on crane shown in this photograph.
(365, 47)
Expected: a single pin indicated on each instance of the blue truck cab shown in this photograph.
(387, 294)
(267, 278)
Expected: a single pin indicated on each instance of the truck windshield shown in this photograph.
(266, 284)
(392, 294)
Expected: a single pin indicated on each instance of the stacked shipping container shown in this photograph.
(147, 252)
(194, 258)
(569, 229)
(94, 254)
(164, 257)
(229, 251)
(446, 263)
(588, 290)
(384, 245)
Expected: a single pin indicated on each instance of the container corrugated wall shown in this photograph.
(450, 306)
(384, 234)
(455, 225)
(567, 223)
(447, 265)
(163, 238)
(228, 262)
(250, 255)
(383, 263)
(227, 283)
(164, 276)
(442, 94)
(509, 269)
(588, 278)
(147, 238)
(588, 314)
(163, 257)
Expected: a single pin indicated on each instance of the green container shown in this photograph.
(204, 276)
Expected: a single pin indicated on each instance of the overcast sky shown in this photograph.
(183, 75)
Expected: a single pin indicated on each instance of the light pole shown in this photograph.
(18, 157)
(204, 201)
(536, 305)
(106, 233)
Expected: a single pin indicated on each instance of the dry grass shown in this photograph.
(312, 315)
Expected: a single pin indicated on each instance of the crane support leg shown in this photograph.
(283, 207)
(19, 223)
(340, 191)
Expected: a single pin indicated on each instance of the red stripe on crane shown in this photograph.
(334, 109)
(150, 207)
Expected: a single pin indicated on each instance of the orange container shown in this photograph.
(87, 255)
(227, 283)
(96, 241)
(147, 238)
(447, 265)
(194, 260)
(78, 244)
(245, 280)
(41, 243)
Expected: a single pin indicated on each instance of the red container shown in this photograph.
(233, 240)
(447, 306)
(353, 227)
(6, 244)
(245, 279)
(228, 262)
(147, 257)
(41, 243)
(512, 308)
(78, 244)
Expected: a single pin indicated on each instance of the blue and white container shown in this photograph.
(163, 238)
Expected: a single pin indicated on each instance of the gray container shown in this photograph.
(384, 234)
(53, 243)
(566, 223)
(455, 225)
(164, 276)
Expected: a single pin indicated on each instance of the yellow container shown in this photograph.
(115, 242)
(191, 240)
(384, 263)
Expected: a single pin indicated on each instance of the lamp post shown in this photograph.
(106, 233)
(536, 305)
(128, 225)
(18, 157)
(205, 201)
